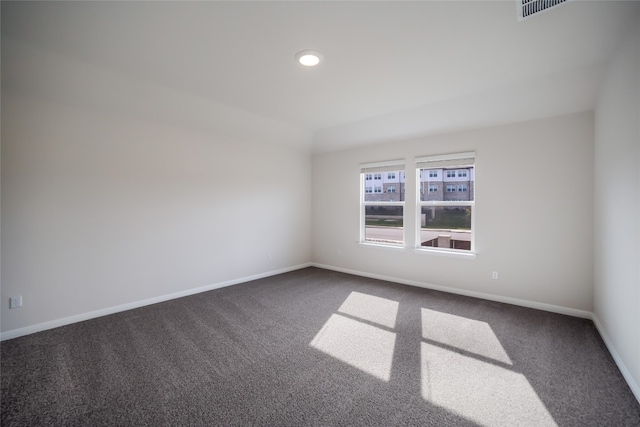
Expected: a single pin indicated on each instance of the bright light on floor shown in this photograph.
(368, 307)
(462, 333)
(358, 344)
(480, 391)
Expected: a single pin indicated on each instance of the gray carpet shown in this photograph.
(316, 347)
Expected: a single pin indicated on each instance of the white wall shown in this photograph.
(617, 208)
(115, 191)
(534, 229)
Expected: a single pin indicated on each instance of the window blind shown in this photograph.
(391, 165)
(455, 160)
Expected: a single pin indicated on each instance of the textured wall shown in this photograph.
(531, 230)
(617, 206)
(113, 192)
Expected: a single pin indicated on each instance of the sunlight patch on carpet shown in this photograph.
(470, 335)
(368, 307)
(358, 344)
(480, 391)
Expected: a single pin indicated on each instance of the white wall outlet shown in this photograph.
(15, 302)
(494, 275)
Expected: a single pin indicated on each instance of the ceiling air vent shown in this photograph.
(527, 8)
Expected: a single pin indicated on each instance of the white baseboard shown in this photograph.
(515, 301)
(15, 333)
(633, 385)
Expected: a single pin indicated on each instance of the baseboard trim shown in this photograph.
(15, 333)
(491, 297)
(633, 385)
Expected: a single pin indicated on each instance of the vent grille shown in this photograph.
(527, 8)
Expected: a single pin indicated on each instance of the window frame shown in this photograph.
(383, 167)
(462, 160)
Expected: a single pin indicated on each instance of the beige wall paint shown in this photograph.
(109, 205)
(617, 206)
(534, 222)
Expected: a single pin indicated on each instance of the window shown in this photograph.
(433, 174)
(368, 190)
(368, 178)
(445, 221)
(433, 189)
(382, 214)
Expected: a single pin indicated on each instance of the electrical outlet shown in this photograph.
(494, 275)
(15, 302)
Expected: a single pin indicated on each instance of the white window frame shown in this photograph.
(385, 166)
(462, 160)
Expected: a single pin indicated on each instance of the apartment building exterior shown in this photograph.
(455, 184)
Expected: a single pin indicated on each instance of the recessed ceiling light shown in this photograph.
(308, 58)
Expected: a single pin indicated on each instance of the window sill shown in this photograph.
(382, 246)
(445, 253)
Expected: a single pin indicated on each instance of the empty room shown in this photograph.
(301, 213)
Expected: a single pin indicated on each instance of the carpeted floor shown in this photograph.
(316, 347)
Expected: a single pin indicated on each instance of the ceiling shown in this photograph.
(391, 69)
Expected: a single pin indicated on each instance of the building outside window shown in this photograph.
(445, 220)
(382, 213)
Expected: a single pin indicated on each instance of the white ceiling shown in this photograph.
(391, 69)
